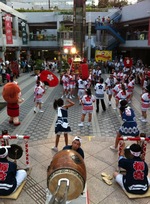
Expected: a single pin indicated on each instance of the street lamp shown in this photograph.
(76, 58)
(66, 50)
(73, 50)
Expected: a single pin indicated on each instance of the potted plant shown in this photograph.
(65, 67)
(38, 67)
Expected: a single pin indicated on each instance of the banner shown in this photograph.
(128, 62)
(24, 33)
(8, 29)
(149, 34)
(103, 55)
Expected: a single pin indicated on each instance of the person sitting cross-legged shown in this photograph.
(10, 177)
(135, 180)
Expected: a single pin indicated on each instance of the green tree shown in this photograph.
(112, 3)
(103, 3)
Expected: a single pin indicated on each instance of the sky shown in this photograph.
(132, 1)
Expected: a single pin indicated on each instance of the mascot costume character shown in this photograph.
(12, 95)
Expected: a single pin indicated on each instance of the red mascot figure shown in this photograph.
(12, 95)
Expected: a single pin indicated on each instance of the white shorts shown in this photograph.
(87, 111)
(109, 91)
(21, 175)
(81, 93)
(144, 109)
(119, 180)
(72, 86)
(66, 87)
(38, 100)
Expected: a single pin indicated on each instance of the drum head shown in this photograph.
(76, 183)
(70, 165)
(15, 152)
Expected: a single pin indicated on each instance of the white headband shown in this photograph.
(77, 138)
(5, 153)
(136, 154)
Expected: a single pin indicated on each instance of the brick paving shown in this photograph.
(96, 141)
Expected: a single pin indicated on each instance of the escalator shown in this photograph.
(110, 28)
(112, 31)
(112, 44)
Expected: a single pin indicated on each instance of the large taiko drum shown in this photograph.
(70, 165)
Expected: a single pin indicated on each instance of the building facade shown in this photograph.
(47, 32)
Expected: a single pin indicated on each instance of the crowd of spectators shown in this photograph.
(137, 34)
(138, 69)
(104, 21)
(10, 70)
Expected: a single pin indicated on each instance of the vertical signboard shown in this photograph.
(8, 29)
(24, 33)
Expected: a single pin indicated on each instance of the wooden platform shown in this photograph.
(15, 195)
(132, 196)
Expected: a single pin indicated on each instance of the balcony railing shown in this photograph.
(42, 37)
(142, 35)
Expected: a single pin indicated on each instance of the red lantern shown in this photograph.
(84, 71)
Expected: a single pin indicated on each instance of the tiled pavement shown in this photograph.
(96, 142)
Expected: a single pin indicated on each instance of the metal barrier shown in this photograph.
(140, 140)
(5, 139)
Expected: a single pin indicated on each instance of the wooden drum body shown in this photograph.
(67, 164)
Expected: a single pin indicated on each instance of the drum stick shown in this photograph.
(15, 160)
(134, 138)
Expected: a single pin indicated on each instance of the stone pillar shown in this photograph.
(15, 26)
(28, 55)
(89, 40)
(27, 30)
(18, 54)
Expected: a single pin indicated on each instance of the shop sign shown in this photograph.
(103, 55)
(68, 43)
(24, 33)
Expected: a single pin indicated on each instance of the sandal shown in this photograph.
(107, 181)
(103, 174)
